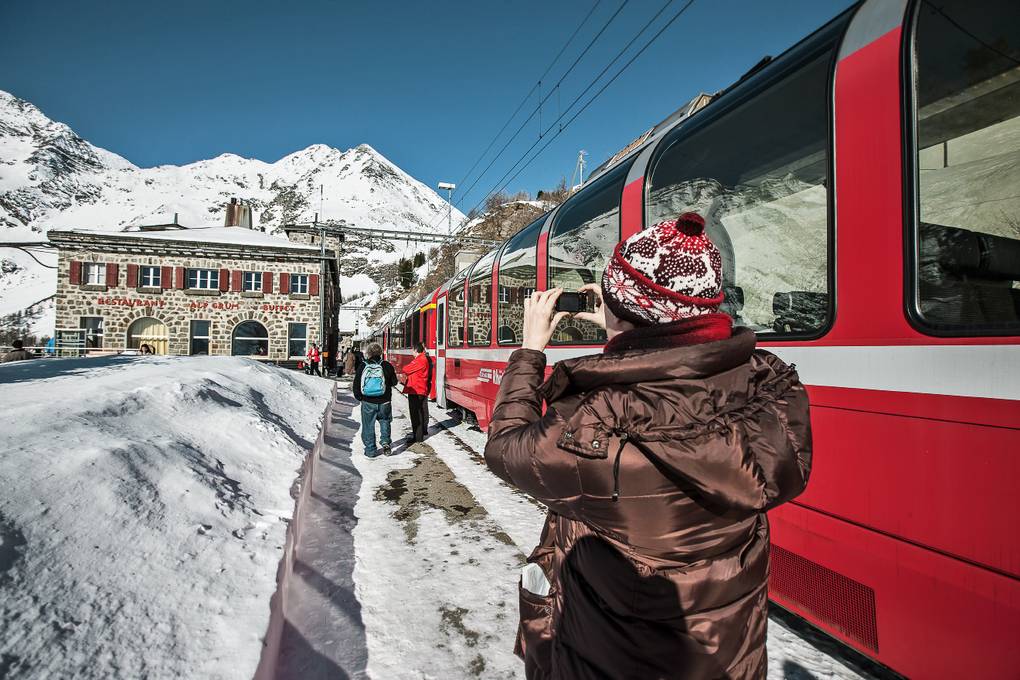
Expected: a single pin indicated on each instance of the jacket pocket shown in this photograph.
(534, 635)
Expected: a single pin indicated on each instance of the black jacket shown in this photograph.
(391, 381)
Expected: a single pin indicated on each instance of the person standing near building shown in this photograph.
(373, 384)
(349, 362)
(657, 459)
(18, 353)
(313, 356)
(416, 387)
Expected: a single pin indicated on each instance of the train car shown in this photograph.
(862, 187)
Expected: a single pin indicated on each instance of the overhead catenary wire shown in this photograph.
(504, 181)
(531, 91)
(536, 86)
(542, 100)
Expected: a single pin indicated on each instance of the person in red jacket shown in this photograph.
(416, 378)
(313, 357)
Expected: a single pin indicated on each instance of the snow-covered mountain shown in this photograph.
(50, 178)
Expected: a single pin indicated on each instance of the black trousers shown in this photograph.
(418, 405)
(314, 368)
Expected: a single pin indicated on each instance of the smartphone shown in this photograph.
(575, 302)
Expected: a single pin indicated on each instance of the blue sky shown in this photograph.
(426, 83)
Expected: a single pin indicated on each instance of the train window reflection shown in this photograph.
(455, 328)
(968, 166)
(583, 235)
(758, 176)
(479, 311)
(518, 278)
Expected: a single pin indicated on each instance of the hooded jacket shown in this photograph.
(657, 467)
(418, 374)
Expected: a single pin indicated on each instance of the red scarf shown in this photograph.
(692, 331)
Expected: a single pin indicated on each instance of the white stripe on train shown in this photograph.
(987, 371)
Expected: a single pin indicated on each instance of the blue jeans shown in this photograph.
(369, 414)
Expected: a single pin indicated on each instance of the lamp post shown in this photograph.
(449, 186)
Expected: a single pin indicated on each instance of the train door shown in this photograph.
(441, 352)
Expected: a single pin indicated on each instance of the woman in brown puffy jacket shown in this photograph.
(657, 460)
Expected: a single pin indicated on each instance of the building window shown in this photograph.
(93, 326)
(250, 338)
(297, 339)
(148, 331)
(150, 277)
(204, 279)
(966, 249)
(299, 284)
(252, 282)
(758, 175)
(94, 274)
(200, 337)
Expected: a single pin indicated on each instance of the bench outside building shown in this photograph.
(209, 290)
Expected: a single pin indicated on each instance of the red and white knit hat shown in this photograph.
(666, 273)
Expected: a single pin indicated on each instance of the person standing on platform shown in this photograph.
(416, 377)
(657, 460)
(349, 365)
(373, 387)
(313, 356)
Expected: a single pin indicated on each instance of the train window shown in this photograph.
(479, 303)
(583, 235)
(455, 314)
(440, 325)
(518, 278)
(758, 176)
(967, 105)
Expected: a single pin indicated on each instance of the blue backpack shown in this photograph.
(373, 382)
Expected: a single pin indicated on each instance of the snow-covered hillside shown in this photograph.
(144, 504)
(52, 178)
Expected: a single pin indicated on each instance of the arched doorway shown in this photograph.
(250, 338)
(148, 331)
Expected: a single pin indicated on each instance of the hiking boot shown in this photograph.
(387, 451)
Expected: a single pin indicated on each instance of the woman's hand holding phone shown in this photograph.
(541, 318)
(598, 317)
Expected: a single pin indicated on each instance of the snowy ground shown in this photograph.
(439, 545)
(143, 508)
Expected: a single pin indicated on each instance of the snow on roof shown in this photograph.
(226, 235)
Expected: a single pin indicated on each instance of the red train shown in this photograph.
(863, 187)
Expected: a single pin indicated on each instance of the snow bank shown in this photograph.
(143, 511)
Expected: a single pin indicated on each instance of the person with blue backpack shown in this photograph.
(373, 384)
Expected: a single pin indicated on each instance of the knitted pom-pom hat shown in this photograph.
(666, 273)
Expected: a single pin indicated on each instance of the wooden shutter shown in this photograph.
(75, 272)
(235, 280)
(112, 274)
(166, 276)
(132, 276)
(284, 283)
(267, 282)
(179, 278)
(224, 280)
(313, 284)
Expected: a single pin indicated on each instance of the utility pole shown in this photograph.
(322, 280)
(579, 169)
(449, 186)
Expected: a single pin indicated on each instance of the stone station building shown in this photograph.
(213, 290)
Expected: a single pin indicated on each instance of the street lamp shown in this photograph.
(449, 186)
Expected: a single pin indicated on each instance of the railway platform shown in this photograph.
(407, 565)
